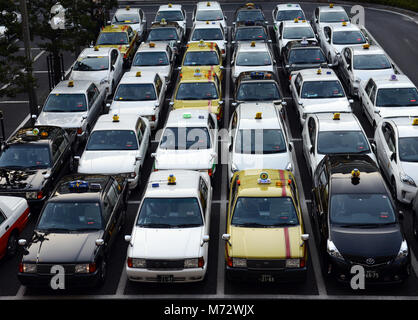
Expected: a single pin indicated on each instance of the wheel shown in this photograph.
(12, 245)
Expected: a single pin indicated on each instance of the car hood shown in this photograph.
(365, 75)
(184, 159)
(210, 105)
(142, 108)
(266, 161)
(166, 243)
(398, 111)
(163, 71)
(266, 243)
(61, 119)
(377, 242)
(23, 180)
(326, 105)
(100, 162)
(63, 247)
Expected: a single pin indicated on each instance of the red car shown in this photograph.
(14, 214)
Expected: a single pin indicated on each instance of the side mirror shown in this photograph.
(99, 242)
(171, 103)
(305, 237)
(351, 101)
(311, 149)
(221, 102)
(153, 155)
(128, 238)
(300, 102)
(112, 68)
(234, 104)
(330, 65)
(230, 147)
(290, 146)
(205, 239)
(373, 145)
(138, 158)
(179, 68)
(22, 242)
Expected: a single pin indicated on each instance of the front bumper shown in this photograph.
(71, 280)
(406, 193)
(266, 275)
(178, 276)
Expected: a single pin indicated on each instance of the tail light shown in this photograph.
(210, 172)
(201, 262)
(79, 130)
(223, 51)
(92, 267)
(153, 118)
(39, 195)
(129, 262)
(125, 56)
(21, 267)
(290, 77)
(228, 258)
(302, 263)
(218, 116)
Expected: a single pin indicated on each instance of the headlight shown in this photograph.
(85, 268)
(130, 175)
(136, 263)
(407, 179)
(333, 251)
(194, 263)
(34, 195)
(403, 251)
(292, 263)
(29, 268)
(289, 167)
(239, 263)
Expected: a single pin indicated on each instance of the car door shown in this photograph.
(365, 99)
(160, 88)
(233, 125)
(344, 65)
(371, 101)
(296, 85)
(117, 66)
(388, 147)
(213, 132)
(311, 148)
(93, 100)
(143, 134)
(205, 198)
(60, 152)
(110, 216)
(326, 42)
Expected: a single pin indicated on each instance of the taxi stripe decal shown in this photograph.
(287, 242)
(284, 194)
(210, 105)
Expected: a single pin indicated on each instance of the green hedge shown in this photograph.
(405, 4)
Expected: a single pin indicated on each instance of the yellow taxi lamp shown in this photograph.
(336, 116)
(171, 179)
(415, 122)
(252, 43)
(366, 46)
(71, 83)
(96, 48)
(319, 71)
(344, 23)
(201, 43)
(138, 74)
(115, 118)
(163, 21)
(128, 7)
(258, 115)
(208, 4)
(296, 20)
(331, 5)
(170, 5)
(152, 45)
(355, 174)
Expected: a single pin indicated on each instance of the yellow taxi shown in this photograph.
(198, 89)
(203, 55)
(265, 239)
(122, 37)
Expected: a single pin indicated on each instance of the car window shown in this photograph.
(369, 87)
(312, 130)
(158, 84)
(373, 94)
(203, 194)
(58, 147)
(108, 204)
(298, 83)
(114, 56)
(92, 94)
(2, 217)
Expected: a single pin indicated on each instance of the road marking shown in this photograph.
(13, 102)
(21, 292)
(122, 282)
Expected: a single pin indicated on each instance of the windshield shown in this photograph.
(264, 212)
(260, 141)
(322, 90)
(114, 38)
(397, 97)
(26, 156)
(65, 102)
(185, 138)
(112, 140)
(162, 34)
(256, 91)
(248, 34)
(135, 92)
(332, 142)
(286, 15)
(253, 59)
(171, 15)
(201, 58)
(298, 33)
(408, 149)
(207, 34)
(144, 59)
(371, 62)
(306, 56)
(330, 17)
(361, 209)
(348, 37)
(92, 64)
(125, 18)
(70, 216)
(170, 213)
(209, 15)
(197, 91)
(250, 15)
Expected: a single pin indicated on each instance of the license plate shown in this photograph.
(165, 278)
(372, 274)
(266, 278)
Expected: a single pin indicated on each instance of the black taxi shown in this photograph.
(32, 160)
(248, 31)
(302, 54)
(250, 13)
(260, 86)
(75, 231)
(357, 221)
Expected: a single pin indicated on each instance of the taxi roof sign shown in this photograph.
(331, 5)
(355, 173)
(264, 178)
(258, 115)
(187, 115)
(319, 71)
(366, 46)
(71, 83)
(252, 43)
(171, 179)
(415, 122)
(115, 118)
(336, 116)
(208, 4)
(138, 74)
(78, 184)
(151, 44)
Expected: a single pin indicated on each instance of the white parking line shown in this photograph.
(13, 102)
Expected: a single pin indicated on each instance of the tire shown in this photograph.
(12, 245)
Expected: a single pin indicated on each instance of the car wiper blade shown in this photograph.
(49, 230)
(86, 229)
(157, 225)
(250, 224)
(189, 225)
(282, 224)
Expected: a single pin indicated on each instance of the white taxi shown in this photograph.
(293, 30)
(172, 13)
(134, 17)
(397, 152)
(154, 56)
(318, 91)
(209, 11)
(336, 37)
(102, 65)
(328, 15)
(209, 31)
(140, 93)
(254, 56)
(333, 133)
(287, 12)
(189, 141)
(361, 63)
(117, 145)
(170, 237)
(258, 138)
(390, 96)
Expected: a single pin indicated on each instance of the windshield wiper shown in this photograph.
(157, 225)
(189, 225)
(251, 224)
(49, 230)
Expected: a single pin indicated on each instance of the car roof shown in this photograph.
(96, 52)
(124, 122)
(132, 77)
(258, 46)
(187, 184)
(249, 185)
(340, 27)
(115, 28)
(187, 118)
(248, 111)
(402, 81)
(203, 5)
(363, 50)
(197, 46)
(330, 9)
(288, 6)
(28, 135)
(347, 122)
(405, 126)
(293, 23)
(311, 74)
(79, 86)
(153, 46)
(169, 7)
(127, 9)
(207, 25)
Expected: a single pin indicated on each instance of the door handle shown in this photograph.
(7, 227)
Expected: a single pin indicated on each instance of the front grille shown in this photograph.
(165, 264)
(266, 264)
(46, 268)
(364, 261)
